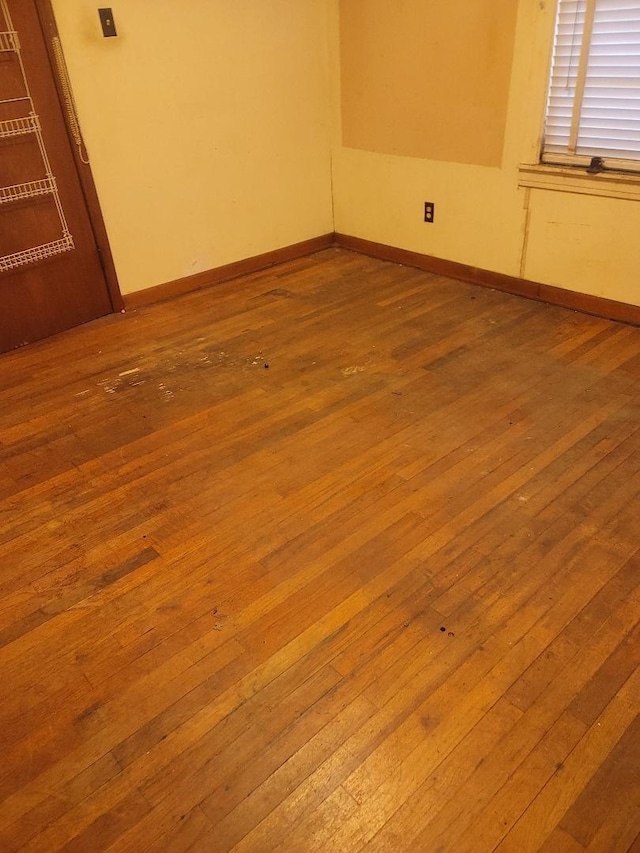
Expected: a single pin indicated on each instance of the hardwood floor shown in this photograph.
(337, 556)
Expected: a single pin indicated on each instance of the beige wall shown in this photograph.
(207, 123)
(211, 125)
(483, 218)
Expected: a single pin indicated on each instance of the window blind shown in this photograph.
(593, 107)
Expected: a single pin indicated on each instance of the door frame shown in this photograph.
(49, 29)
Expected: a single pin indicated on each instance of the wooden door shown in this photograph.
(51, 274)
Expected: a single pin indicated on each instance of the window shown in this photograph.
(593, 107)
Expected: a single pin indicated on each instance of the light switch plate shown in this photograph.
(107, 22)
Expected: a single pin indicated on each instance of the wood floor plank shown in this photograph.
(618, 778)
(402, 829)
(544, 761)
(477, 792)
(546, 810)
(336, 556)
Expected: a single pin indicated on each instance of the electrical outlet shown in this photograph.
(429, 211)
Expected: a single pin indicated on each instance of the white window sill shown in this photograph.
(572, 180)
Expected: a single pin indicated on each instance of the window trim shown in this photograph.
(575, 179)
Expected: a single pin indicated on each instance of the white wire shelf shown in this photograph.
(9, 42)
(31, 189)
(37, 253)
(29, 124)
(19, 126)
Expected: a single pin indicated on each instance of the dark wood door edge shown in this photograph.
(49, 28)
